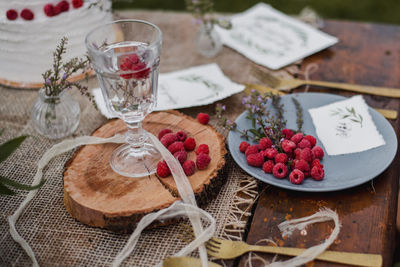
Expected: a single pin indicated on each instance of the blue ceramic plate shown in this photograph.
(341, 172)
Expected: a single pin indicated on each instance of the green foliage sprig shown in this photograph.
(6, 149)
(57, 80)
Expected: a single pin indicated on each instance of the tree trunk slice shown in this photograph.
(95, 195)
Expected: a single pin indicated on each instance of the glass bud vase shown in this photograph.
(55, 116)
(208, 41)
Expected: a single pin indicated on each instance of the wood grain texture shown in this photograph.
(95, 195)
(366, 54)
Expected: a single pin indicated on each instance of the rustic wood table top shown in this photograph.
(366, 54)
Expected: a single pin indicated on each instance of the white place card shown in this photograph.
(346, 127)
(195, 86)
(273, 39)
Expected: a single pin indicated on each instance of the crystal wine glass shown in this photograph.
(125, 55)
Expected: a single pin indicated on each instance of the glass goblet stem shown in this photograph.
(135, 135)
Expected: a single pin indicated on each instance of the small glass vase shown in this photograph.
(208, 41)
(55, 116)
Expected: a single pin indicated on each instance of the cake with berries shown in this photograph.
(31, 30)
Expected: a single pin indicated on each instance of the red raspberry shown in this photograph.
(304, 143)
(306, 154)
(297, 138)
(141, 71)
(317, 152)
(251, 150)
(188, 167)
(27, 14)
(168, 139)
(296, 176)
(203, 148)
(311, 139)
(280, 170)
(163, 132)
(288, 145)
(302, 165)
(281, 157)
(268, 166)
(287, 133)
(316, 162)
(317, 173)
(163, 169)
(57, 10)
(270, 153)
(243, 146)
(49, 10)
(181, 156)
(264, 143)
(255, 160)
(12, 14)
(296, 153)
(181, 135)
(203, 118)
(202, 161)
(77, 3)
(64, 6)
(189, 144)
(129, 61)
(175, 147)
(293, 165)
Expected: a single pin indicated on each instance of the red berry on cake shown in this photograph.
(64, 6)
(27, 14)
(202, 161)
(12, 14)
(49, 10)
(189, 144)
(280, 170)
(203, 148)
(243, 146)
(203, 118)
(163, 132)
(189, 167)
(77, 3)
(163, 169)
(296, 176)
(255, 160)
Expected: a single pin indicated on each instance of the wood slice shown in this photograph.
(95, 195)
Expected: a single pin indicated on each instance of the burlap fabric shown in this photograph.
(54, 236)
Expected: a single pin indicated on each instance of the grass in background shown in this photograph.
(384, 11)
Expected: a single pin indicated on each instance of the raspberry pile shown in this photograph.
(180, 145)
(297, 155)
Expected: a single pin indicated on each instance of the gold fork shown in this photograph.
(289, 84)
(390, 114)
(227, 249)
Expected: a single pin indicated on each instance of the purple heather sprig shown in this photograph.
(263, 121)
(56, 79)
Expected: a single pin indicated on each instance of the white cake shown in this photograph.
(27, 43)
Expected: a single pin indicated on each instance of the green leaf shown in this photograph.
(6, 181)
(8, 147)
(6, 191)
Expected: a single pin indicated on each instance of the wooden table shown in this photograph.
(366, 54)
